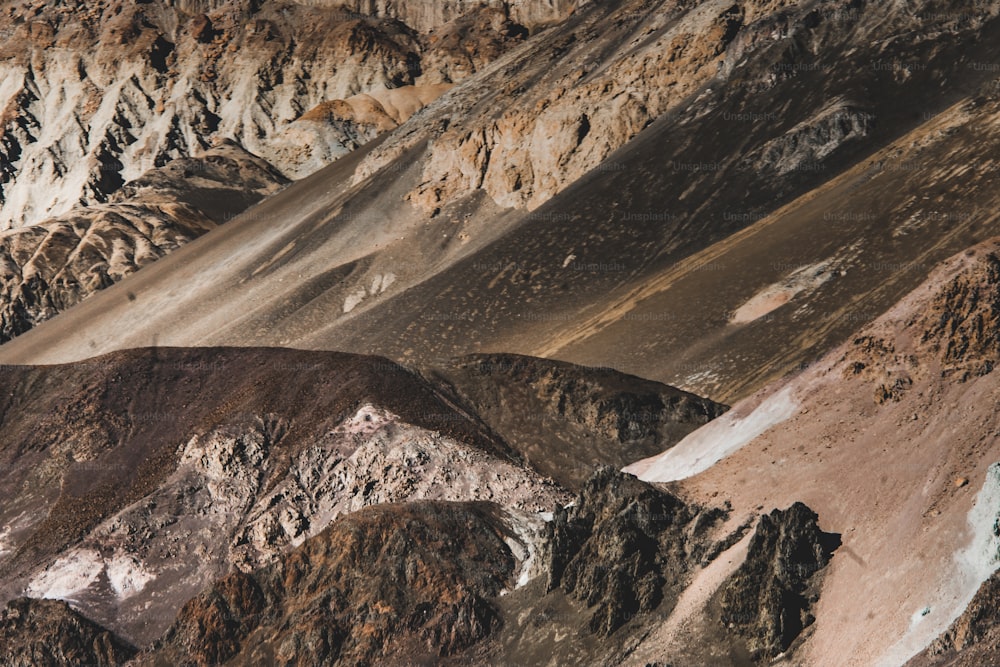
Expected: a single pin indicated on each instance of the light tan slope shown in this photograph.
(889, 439)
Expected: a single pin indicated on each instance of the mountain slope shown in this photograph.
(804, 136)
(95, 94)
(891, 438)
(57, 263)
(590, 416)
(137, 478)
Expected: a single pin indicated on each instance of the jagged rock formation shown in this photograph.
(427, 17)
(97, 93)
(954, 334)
(768, 600)
(389, 584)
(46, 268)
(47, 633)
(585, 108)
(141, 476)
(963, 324)
(620, 548)
(598, 416)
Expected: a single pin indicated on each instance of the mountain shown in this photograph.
(890, 438)
(97, 93)
(141, 476)
(832, 178)
(640, 332)
(55, 264)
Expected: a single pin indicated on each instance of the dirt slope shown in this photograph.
(892, 439)
(803, 157)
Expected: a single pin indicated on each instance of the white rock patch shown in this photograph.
(127, 576)
(959, 580)
(529, 529)
(719, 438)
(354, 298)
(67, 576)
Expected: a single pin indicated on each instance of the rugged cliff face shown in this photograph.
(48, 633)
(452, 582)
(768, 600)
(389, 584)
(427, 17)
(96, 94)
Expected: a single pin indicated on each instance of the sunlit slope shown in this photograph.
(759, 221)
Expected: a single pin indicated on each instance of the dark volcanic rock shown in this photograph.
(619, 548)
(590, 416)
(386, 585)
(47, 633)
(767, 600)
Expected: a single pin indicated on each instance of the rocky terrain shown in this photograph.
(96, 94)
(713, 235)
(49, 633)
(891, 438)
(575, 233)
(55, 264)
(434, 581)
(140, 477)
(594, 416)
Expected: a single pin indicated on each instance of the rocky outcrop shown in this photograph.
(96, 94)
(805, 146)
(963, 325)
(428, 16)
(49, 267)
(144, 475)
(375, 458)
(954, 333)
(334, 128)
(622, 548)
(48, 633)
(594, 99)
(383, 585)
(596, 416)
(768, 600)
